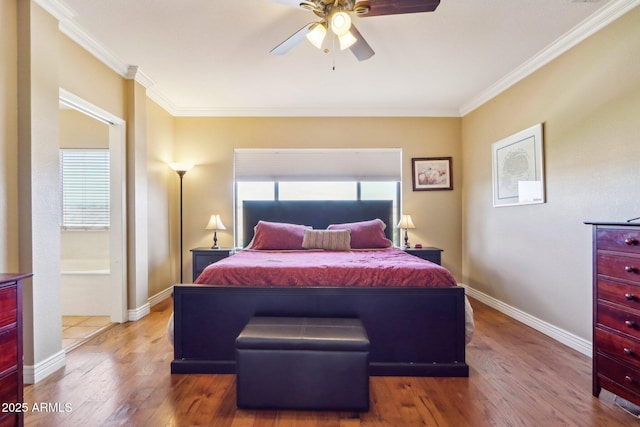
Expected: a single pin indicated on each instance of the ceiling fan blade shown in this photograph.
(360, 48)
(292, 41)
(397, 7)
(292, 3)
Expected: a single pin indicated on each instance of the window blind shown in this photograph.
(85, 188)
(375, 164)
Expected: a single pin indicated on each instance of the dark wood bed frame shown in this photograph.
(413, 331)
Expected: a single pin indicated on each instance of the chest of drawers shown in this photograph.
(616, 309)
(11, 348)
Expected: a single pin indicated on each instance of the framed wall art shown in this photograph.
(432, 173)
(518, 169)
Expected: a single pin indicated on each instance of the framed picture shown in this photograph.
(517, 168)
(432, 173)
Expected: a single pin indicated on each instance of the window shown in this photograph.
(316, 174)
(317, 190)
(353, 190)
(85, 188)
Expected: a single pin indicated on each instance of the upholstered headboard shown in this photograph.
(317, 214)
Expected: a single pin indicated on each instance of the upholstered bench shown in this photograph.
(303, 363)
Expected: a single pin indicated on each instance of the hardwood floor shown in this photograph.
(76, 330)
(518, 377)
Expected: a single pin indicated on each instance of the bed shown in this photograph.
(417, 318)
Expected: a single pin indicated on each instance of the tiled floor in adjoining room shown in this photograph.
(78, 329)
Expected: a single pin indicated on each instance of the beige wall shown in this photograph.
(86, 77)
(8, 137)
(537, 258)
(77, 130)
(163, 208)
(208, 188)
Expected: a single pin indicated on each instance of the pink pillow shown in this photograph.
(365, 234)
(278, 236)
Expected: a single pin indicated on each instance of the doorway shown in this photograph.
(96, 257)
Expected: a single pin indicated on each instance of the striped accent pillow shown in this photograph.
(333, 240)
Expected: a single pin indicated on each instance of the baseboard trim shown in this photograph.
(567, 338)
(138, 313)
(160, 296)
(32, 374)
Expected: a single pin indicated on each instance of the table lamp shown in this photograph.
(215, 224)
(404, 224)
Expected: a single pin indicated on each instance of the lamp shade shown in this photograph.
(346, 40)
(181, 167)
(340, 22)
(215, 223)
(406, 222)
(317, 34)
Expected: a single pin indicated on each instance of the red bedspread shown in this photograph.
(387, 267)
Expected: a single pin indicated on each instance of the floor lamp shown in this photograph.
(181, 169)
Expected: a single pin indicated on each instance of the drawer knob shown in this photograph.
(630, 241)
(628, 379)
(627, 351)
(630, 323)
(629, 296)
(629, 269)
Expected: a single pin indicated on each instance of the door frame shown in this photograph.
(118, 224)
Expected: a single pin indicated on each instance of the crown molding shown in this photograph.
(589, 26)
(135, 73)
(579, 33)
(164, 102)
(312, 112)
(88, 43)
(65, 16)
(56, 8)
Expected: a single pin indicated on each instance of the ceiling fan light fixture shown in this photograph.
(362, 7)
(346, 40)
(309, 5)
(340, 23)
(316, 34)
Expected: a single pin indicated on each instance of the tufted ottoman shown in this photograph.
(303, 363)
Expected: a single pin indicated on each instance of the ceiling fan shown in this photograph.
(335, 15)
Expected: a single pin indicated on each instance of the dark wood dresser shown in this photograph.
(616, 309)
(11, 349)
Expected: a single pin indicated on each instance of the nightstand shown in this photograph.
(429, 253)
(202, 257)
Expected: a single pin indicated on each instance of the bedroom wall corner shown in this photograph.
(537, 258)
(162, 199)
(137, 197)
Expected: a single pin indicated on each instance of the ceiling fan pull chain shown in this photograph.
(333, 51)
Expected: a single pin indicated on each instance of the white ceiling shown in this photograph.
(211, 57)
